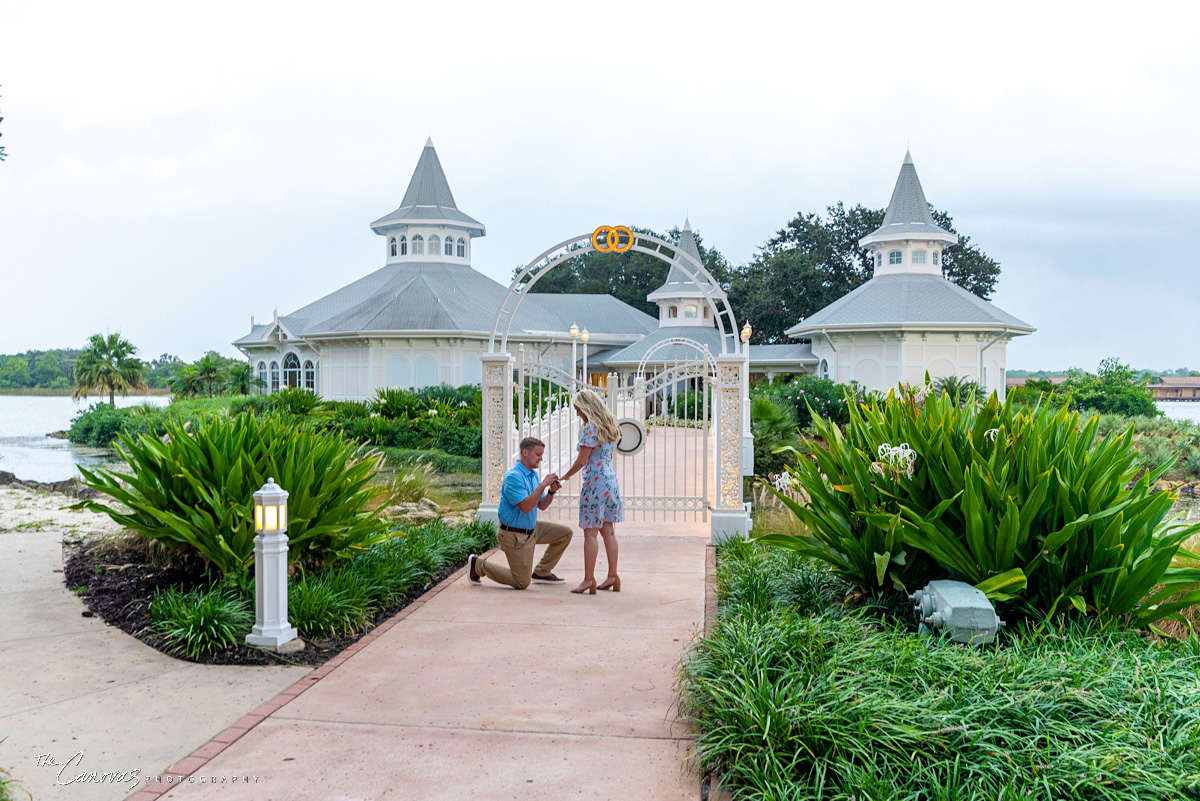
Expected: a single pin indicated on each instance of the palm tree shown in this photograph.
(958, 388)
(109, 364)
(185, 383)
(208, 373)
(240, 378)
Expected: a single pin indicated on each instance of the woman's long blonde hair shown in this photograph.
(596, 412)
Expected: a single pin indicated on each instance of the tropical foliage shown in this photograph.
(793, 696)
(194, 490)
(1031, 507)
(809, 397)
(773, 424)
(109, 365)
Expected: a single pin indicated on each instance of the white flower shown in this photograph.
(899, 457)
(782, 482)
(433, 412)
(990, 434)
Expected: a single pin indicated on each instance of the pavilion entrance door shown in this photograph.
(663, 462)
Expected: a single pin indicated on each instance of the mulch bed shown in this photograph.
(119, 593)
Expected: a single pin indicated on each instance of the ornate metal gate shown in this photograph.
(664, 460)
(692, 415)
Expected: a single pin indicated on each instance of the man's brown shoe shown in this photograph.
(550, 579)
(472, 576)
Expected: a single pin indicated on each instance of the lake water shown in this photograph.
(26, 451)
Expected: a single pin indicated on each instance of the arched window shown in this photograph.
(392, 245)
(935, 258)
(462, 248)
(418, 246)
(291, 370)
(878, 259)
(823, 370)
(425, 372)
(403, 245)
(449, 248)
(918, 257)
(397, 372)
(673, 312)
(262, 377)
(274, 376)
(689, 311)
(894, 257)
(435, 245)
(310, 376)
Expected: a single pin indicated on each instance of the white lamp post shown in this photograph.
(271, 627)
(584, 336)
(574, 364)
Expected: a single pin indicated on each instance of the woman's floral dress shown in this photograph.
(600, 497)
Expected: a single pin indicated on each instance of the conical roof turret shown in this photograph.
(678, 284)
(428, 199)
(908, 215)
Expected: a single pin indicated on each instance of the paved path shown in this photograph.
(72, 684)
(488, 693)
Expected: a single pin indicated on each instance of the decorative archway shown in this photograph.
(734, 446)
(666, 343)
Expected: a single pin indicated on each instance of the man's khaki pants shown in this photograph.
(519, 550)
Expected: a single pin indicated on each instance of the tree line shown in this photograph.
(809, 263)
(109, 365)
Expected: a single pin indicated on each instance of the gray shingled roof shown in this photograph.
(909, 300)
(908, 211)
(632, 355)
(435, 296)
(428, 198)
(774, 354)
(678, 284)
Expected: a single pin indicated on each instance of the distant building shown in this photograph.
(908, 320)
(1177, 388)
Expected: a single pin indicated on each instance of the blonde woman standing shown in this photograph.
(599, 497)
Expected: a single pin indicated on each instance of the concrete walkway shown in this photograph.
(488, 693)
(74, 685)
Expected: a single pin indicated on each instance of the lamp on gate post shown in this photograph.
(574, 336)
(271, 627)
(584, 336)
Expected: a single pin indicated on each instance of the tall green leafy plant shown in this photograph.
(108, 365)
(1031, 507)
(193, 489)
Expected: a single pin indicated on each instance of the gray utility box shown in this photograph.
(956, 610)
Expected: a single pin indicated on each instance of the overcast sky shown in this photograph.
(175, 168)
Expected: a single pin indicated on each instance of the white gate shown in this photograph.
(686, 468)
(663, 462)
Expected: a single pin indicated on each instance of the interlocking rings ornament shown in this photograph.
(612, 239)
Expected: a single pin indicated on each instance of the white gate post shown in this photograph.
(730, 518)
(497, 415)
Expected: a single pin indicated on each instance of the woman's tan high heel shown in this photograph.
(611, 583)
(588, 586)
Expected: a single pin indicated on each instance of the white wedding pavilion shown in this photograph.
(425, 316)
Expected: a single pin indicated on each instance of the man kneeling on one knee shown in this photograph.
(521, 496)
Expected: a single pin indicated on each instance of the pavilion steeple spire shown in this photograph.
(428, 201)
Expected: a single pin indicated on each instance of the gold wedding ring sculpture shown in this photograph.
(607, 239)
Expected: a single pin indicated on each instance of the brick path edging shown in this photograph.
(196, 760)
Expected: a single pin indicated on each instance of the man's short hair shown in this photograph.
(531, 442)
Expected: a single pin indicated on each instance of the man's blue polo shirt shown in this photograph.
(519, 482)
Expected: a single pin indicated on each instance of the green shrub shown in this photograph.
(250, 404)
(1032, 508)
(294, 401)
(462, 440)
(810, 395)
(97, 426)
(441, 461)
(691, 405)
(202, 621)
(195, 490)
(1115, 389)
(773, 424)
(345, 410)
(791, 703)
